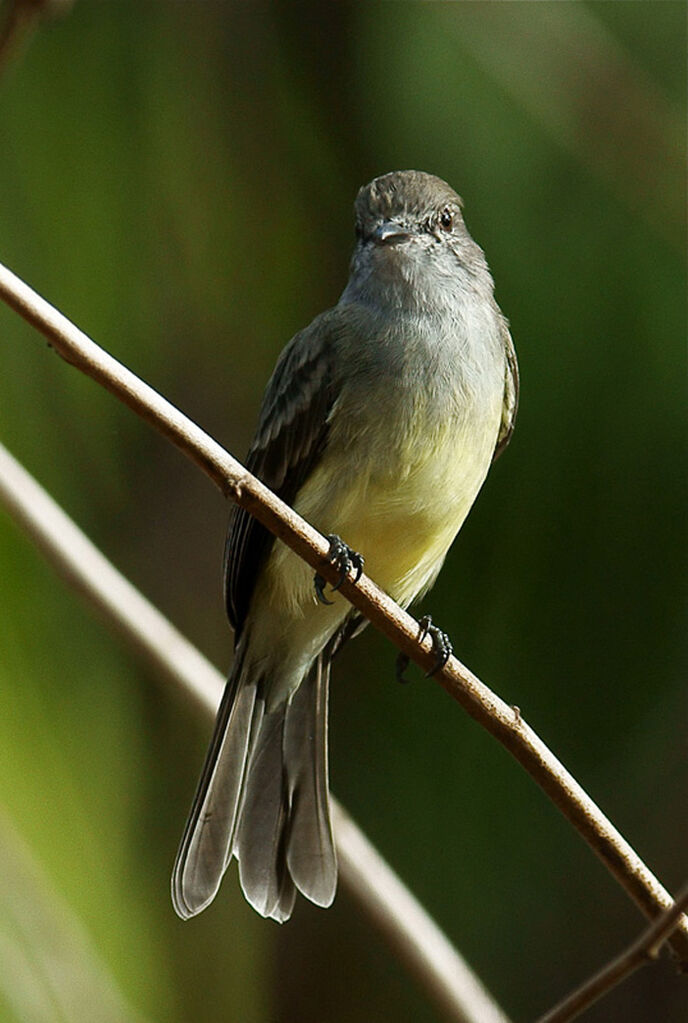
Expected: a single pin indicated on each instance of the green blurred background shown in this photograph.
(178, 179)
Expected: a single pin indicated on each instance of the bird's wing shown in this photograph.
(511, 384)
(291, 434)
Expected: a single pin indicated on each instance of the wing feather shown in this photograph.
(291, 434)
(511, 387)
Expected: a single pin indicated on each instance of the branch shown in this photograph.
(505, 723)
(439, 968)
(645, 949)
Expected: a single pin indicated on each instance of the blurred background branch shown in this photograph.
(19, 18)
(49, 967)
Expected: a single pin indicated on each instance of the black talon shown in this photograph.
(441, 644)
(319, 582)
(345, 559)
(401, 664)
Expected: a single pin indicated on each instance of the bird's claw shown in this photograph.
(441, 645)
(401, 664)
(319, 582)
(343, 558)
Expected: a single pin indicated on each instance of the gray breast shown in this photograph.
(437, 366)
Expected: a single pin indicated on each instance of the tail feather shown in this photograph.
(212, 820)
(311, 856)
(262, 797)
(254, 731)
(259, 842)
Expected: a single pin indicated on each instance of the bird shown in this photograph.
(378, 425)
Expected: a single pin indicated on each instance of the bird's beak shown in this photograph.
(389, 232)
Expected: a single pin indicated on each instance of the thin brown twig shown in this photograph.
(505, 723)
(644, 950)
(440, 970)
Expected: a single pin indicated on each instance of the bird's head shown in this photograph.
(411, 240)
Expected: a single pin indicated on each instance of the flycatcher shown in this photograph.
(379, 425)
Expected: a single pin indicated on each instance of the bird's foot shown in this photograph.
(343, 558)
(441, 645)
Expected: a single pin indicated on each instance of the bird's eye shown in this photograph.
(446, 219)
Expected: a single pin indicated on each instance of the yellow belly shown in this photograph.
(400, 510)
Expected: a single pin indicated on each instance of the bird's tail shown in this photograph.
(262, 797)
